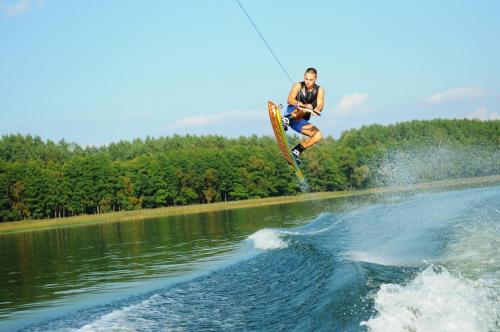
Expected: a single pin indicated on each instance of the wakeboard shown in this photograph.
(284, 147)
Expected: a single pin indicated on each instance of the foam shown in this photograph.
(267, 239)
(129, 318)
(435, 300)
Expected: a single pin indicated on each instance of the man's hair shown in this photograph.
(311, 71)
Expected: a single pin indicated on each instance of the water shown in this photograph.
(418, 262)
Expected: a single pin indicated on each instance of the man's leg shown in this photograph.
(314, 137)
(313, 133)
(292, 115)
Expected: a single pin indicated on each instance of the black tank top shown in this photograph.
(308, 97)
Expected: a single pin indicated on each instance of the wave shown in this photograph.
(373, 258)
(269, 239)
(460, 290)
(130, 318)
(266, 239)
(436, 300)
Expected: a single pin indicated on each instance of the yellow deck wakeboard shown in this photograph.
(279, 133)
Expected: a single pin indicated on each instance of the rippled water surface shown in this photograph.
(419, 262)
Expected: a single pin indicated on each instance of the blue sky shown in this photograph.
(94, 72)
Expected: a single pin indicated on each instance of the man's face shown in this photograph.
(309, 79)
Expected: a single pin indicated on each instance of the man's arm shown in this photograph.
(320, 101)
(293, 93)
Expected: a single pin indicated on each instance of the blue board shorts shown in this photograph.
(296, 124)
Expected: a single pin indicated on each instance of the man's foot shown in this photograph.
(296, 155)
(286, 122)
(296, 151)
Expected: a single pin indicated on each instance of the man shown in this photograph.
(305, 98)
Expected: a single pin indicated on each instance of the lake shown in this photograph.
(421, 261)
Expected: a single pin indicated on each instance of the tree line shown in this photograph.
(43, 179)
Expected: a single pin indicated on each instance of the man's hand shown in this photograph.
(309, 110)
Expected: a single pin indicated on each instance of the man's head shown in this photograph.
(310, 77)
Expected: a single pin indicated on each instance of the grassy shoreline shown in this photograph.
(33, 225)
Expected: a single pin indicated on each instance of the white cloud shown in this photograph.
(464, 93)
(19, 7)
(15, 9)
(226, 118)
(482, 113)
(352, 104)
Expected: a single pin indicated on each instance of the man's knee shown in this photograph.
(317, 134)
(307, 131)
